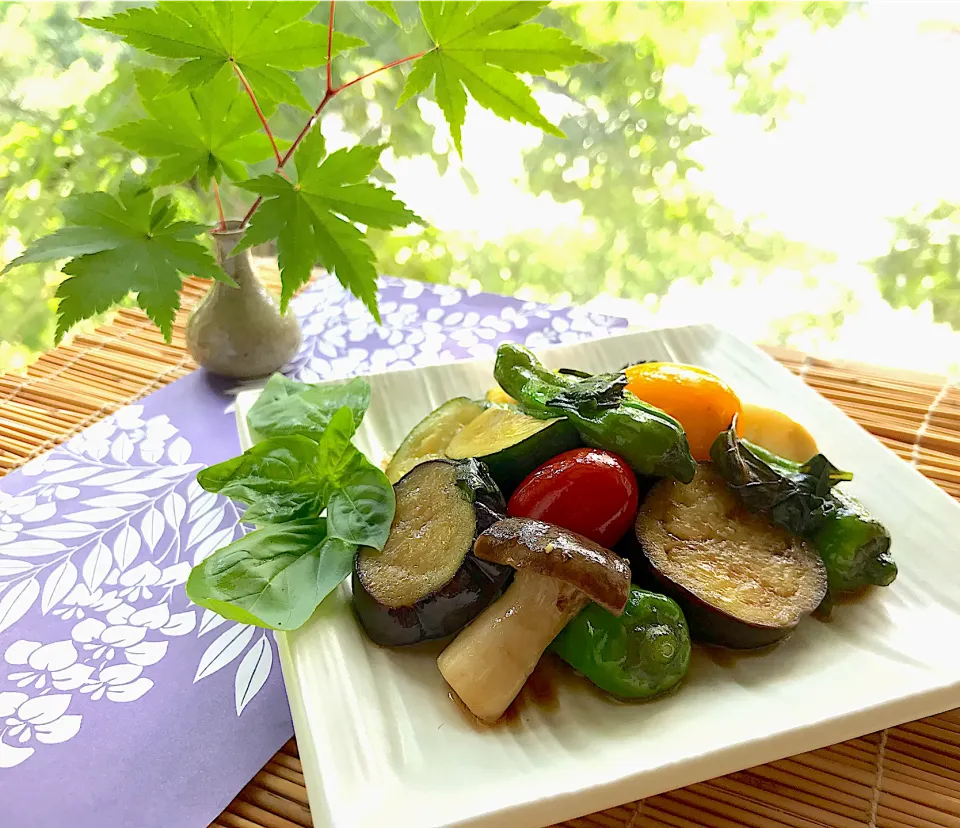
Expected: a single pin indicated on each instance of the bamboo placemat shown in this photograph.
(905, 777)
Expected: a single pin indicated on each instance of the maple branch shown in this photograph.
(380, 69)
(330, 49)
(216, 197)
(256, 106)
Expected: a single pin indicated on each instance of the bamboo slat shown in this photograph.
(907, 777)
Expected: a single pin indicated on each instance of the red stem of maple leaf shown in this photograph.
(260, 115)
(330, 49)
(216, 196)
(327, 97)
(380, 69)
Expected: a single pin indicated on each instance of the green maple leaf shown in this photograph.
(117, 246)
(388, 8)
(478, 49)
(265, 40)
(315, 220)
(207, 132)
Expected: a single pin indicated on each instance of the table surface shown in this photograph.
(905, 776)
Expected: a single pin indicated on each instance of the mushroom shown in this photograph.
(558, 573)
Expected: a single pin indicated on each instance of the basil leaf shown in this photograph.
(289, 407)
(798, 500)
(274, 577)
(362, 504)
(279, 479)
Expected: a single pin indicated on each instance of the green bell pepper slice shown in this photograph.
(643, 653)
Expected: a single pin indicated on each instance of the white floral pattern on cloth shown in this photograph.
(97, 542)
(103, 542)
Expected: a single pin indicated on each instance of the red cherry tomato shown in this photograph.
(588, 491)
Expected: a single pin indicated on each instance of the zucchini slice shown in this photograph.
(429, 438)
(512, 444)
(741, 581)
(426, 583)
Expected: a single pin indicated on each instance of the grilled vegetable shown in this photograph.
(776, 432)
(500, 397)
(512, 444)
(429, 438)
(606, 416)
(588, 491)
(855, 547)
(558, 574)
(426, 584)
(641, 654)
(794, 497)
(741, 581)
(700, 401)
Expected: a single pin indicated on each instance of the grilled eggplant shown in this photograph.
(741, 581)
(426, 583)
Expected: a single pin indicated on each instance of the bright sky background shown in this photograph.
(875, 135)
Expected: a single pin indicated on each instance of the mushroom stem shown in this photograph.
(489, 661)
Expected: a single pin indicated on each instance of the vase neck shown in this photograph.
(240, 266)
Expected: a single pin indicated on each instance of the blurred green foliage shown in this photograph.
(923, 265)
(625, 162)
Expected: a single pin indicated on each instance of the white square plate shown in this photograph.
(381, 743)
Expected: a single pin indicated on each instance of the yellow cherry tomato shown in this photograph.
(498, 395)
(776, 432)
(700, 401)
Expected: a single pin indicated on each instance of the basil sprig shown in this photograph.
(313, 494)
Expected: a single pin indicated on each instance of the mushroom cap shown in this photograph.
(535, 546)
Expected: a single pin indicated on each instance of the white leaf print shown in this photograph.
(205, 526)
(145, 483)
(224, 649)
(253, 672)
(44, 511)
(57, 464)
(20, 505)
(59, 582)
(71, 475)
(179, 451)
(151, 617)
(212, 544)
(180, 623)
(177, 471)
(65, 492)
(64, 728)
(122, 448)
(150, 451)
(11, 756)
(194, 490)
(44, 709)
(174, 508)
(8, 567)
(151, 527)
(117, 500)
(63, 530)
(113, 478)
(32, 548)
(129, 692)
(126, 546)
(105, 514)
(202, 504)
(16, 601)
(146, 652)
(97, 565)
(210, 621)
(72, 677)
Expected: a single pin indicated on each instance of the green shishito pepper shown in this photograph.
(602, 410)
(855, 547)
(641, 654)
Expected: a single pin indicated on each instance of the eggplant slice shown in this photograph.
(426, 583)
(742, 582)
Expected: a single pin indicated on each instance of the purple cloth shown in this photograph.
(121, 703)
